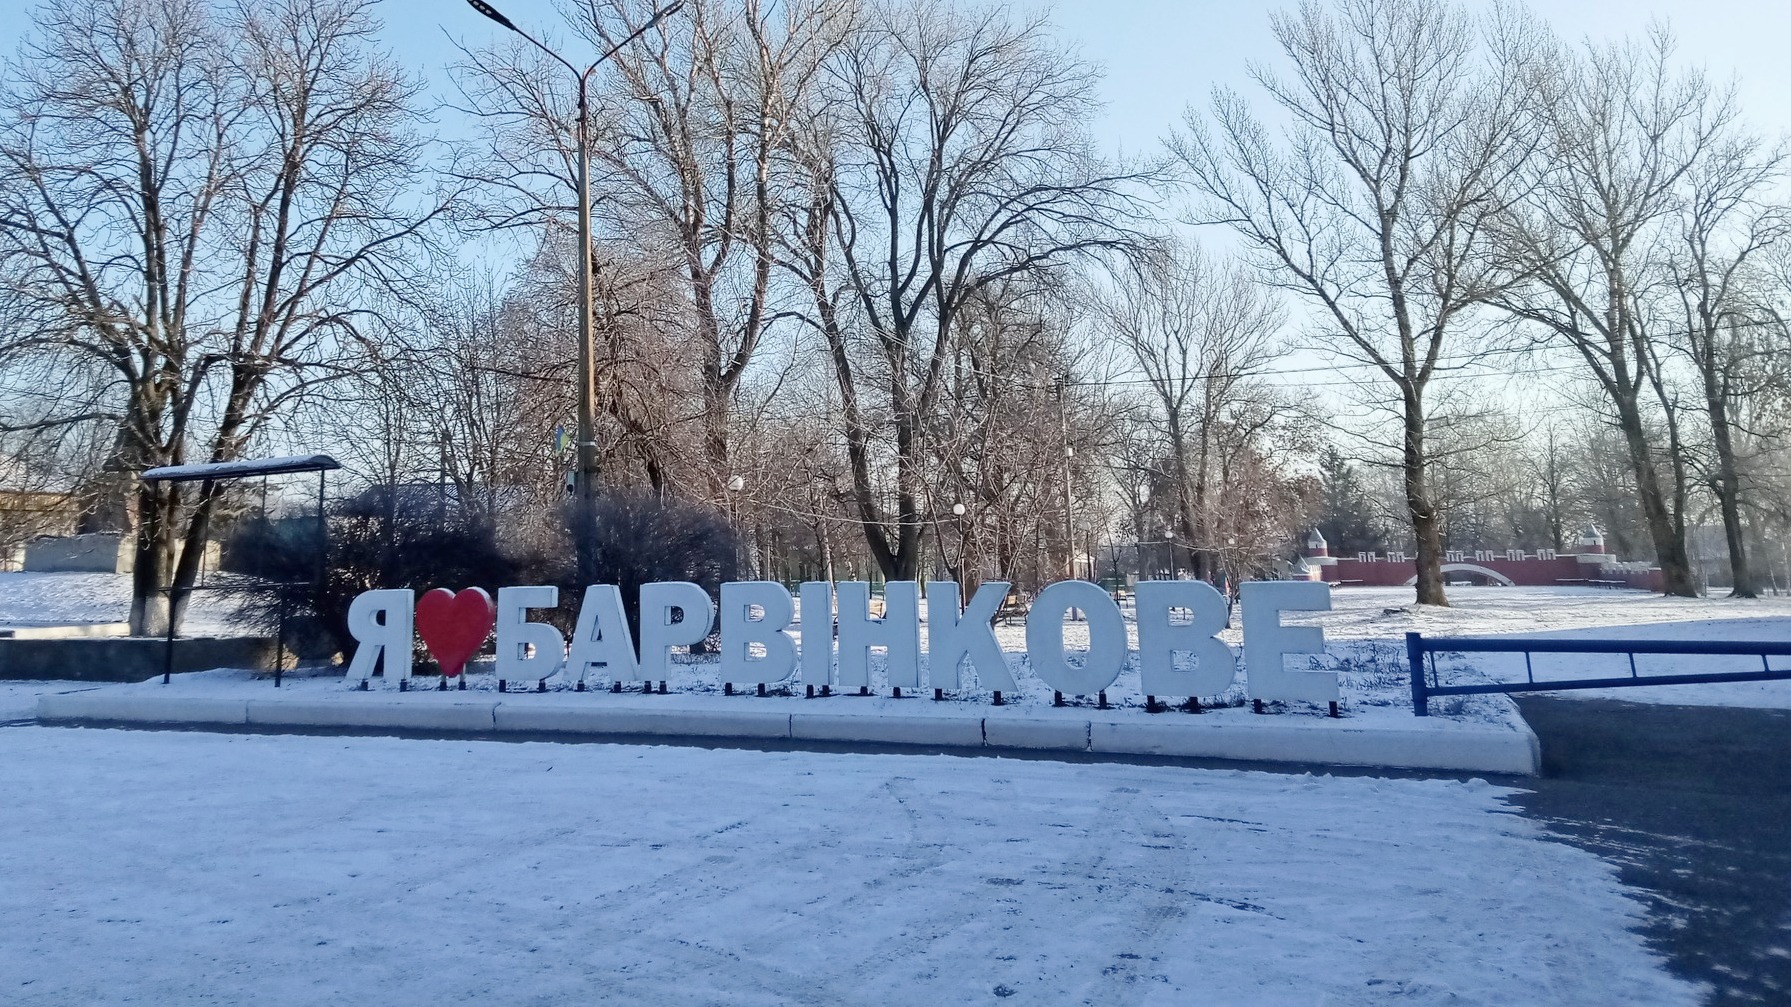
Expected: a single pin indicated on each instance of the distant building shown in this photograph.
(27, 514)
(1590, 566)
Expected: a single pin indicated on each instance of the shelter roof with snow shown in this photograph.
(244, 469)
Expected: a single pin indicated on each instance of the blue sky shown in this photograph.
(1160, 55)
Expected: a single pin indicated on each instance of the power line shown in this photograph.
(1447, 367)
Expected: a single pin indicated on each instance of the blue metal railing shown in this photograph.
(1426, 685)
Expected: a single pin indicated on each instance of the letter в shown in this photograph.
(1159, 639)
(739, 631)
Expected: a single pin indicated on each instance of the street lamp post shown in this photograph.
(735, 485)
(957, 513)
(584, 487)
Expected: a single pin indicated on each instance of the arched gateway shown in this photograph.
(1492, 575)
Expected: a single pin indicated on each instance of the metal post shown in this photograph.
(586, 479)
(280, 637)
(1069, 523)
(168, 646)
(1414, 651)
(320, 583)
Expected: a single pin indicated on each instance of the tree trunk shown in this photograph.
(157, 507)
(716, 414)
(1427, 525)
(192, 554)
(1669, 548)
(1728, 490)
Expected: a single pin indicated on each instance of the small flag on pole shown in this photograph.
(562, 439)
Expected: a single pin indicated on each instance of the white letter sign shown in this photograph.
(516, 635)
(1179, 646)
(381, 622)
(1106, 638)
(1159, 639)
(898, 632)
(817, 632)
(601, 638)
(739, 631)
(951, 638)
(1267, 643)
(659, 634)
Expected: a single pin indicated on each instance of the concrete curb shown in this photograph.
(950, 732)
(1048, 735)
(1486, 751)
(476, 716)
(1447, 746)
(753, 724)
(137, 708)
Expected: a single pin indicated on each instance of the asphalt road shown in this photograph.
(1693, 804)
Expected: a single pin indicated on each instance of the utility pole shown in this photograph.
(1069, 524)
(585, 476)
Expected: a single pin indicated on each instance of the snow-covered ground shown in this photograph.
(1388, 613)
(1378, 619)
(179, 867)
(18, 700)
(1771, 695)
(185, 867)
(50, 599)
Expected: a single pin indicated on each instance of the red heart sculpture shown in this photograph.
(454, 626)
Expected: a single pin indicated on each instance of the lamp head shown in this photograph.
(663, 13)
(492, 12)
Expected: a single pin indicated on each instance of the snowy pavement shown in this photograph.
(185, 867)
(165, 867)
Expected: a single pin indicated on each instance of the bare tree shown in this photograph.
(1592, 239)
(1017, 438)
(1201, 334)
(953, 157)
(193, 194)
(1546, 465)
(1726, 226)
(1404, 133)
(692, 123)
